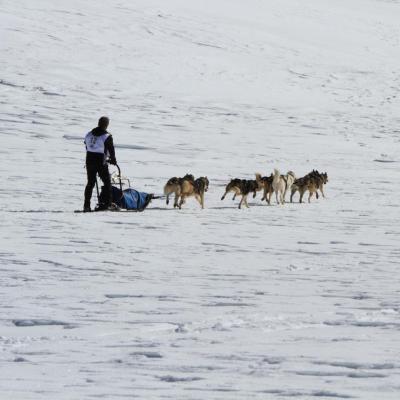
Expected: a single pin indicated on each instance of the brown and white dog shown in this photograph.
(174, 185)
(195, 188)
(312, 182)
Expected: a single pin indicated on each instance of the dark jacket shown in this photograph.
(96, 158)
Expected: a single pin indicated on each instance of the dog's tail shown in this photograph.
(258, 177)
(168, 189)
(292, 173)
(277, 176)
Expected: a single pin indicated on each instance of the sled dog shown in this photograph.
(195, 188)
(266, 183)
(281, 184)
(242, 187)
(312, 182)
(174, 185)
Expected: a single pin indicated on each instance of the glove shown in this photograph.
(113, 161)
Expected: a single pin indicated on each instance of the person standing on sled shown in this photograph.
(99, 148)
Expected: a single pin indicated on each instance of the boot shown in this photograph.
(86, 207)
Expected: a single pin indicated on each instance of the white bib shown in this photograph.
(95, 144)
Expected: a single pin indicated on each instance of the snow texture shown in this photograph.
(296, 301)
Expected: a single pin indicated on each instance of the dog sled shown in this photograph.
(123, 196)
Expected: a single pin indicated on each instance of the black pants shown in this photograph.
(102, 169)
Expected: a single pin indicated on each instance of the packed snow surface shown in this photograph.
(272, 302)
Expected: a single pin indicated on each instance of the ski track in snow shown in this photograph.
(297, 301)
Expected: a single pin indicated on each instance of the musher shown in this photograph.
(99, 150)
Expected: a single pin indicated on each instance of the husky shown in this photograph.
(195, 188)
(174, 185)
(312, 182)
(266, 183)
(242, 187)
(281, 184)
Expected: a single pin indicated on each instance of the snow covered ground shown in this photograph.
(297, 301)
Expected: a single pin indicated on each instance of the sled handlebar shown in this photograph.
(119, 176)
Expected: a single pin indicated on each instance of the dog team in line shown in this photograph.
(100, 147)
(276, 183)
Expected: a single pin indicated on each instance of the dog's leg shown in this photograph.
(176, 200)
(247, 204)
(269, 197)
(223, 197)
(291, 195)
(301, 195)
(310, 195)
(234, 196)
(278, 197)
(200, 199)
(241, 202)
(322, 191)
(182, 201)
(167, 199)
(289, 189)
(284, 194)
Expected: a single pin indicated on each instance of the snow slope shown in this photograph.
(297, 301)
